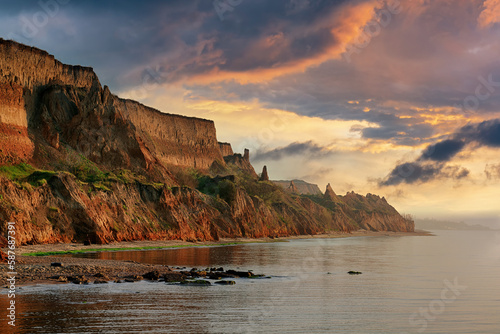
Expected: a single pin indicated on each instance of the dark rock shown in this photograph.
(225, 282)
(60, 278)
(264, 176)
(101, 275)
(174, 277)
(198, 273)
(152, 275)
(100, 281)
(257, 276)
(198, 282)
(354, 272)
(81, 280)
(215, 276)
(56, 264)
(240, 273)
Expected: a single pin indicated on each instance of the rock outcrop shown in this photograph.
(78, 163)
(225, 149)
(292, 188)
(303, 187)
(264, 176)
(330, 194)
(242, 162)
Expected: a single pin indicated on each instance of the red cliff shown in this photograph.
(78, 163)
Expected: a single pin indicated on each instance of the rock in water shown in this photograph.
(225, 282)
(198, 282)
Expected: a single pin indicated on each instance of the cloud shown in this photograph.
(443, 151)
(308, 149)
(432, 162)
(492, 171)
(490, 14)
(417, 172)
(486, 133)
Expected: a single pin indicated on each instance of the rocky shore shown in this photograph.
(46, 269)
(61, 270)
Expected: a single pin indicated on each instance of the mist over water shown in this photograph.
(446, 283)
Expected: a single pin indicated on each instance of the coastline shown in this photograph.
(165, 244)
(38, 269)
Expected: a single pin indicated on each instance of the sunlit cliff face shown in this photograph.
(400, 98)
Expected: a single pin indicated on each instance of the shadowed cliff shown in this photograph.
(78, 163)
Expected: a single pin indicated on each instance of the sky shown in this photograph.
(396, 98)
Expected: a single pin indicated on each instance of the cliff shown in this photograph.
(78, 163)
(225, 149)
(44, 98)
(330, 194)
(175, 140)
(31, 68)
(303, 187)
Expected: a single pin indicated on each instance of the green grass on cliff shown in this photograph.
(17, 172)
(24, 172)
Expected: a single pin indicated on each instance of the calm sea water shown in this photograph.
(448, 283)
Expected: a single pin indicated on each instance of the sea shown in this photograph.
(445, 283)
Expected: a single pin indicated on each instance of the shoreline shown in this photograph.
(37, 269)
(166, 244)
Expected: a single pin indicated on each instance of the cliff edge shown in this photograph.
(78, 163)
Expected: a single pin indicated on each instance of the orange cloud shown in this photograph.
(346, 26)
(490, 14)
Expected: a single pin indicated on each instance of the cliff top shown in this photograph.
(31, 49)
(156, 111)
(31, 67)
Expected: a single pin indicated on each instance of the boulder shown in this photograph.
(225, 282)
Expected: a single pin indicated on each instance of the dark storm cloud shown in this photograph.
(178, 39)
(486, 133)
(308, 149)
(432, 162)
(429, 55)
(418, 172)
(443, 151)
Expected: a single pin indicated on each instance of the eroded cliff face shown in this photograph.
(106, 169)
(373, 213)
(15, 144)
(175, 140)
(64, 210)
(225, 149)
(48, 108)
(31, 68)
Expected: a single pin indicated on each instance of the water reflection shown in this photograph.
(310, 291)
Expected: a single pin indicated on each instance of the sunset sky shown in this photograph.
(397, 98)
